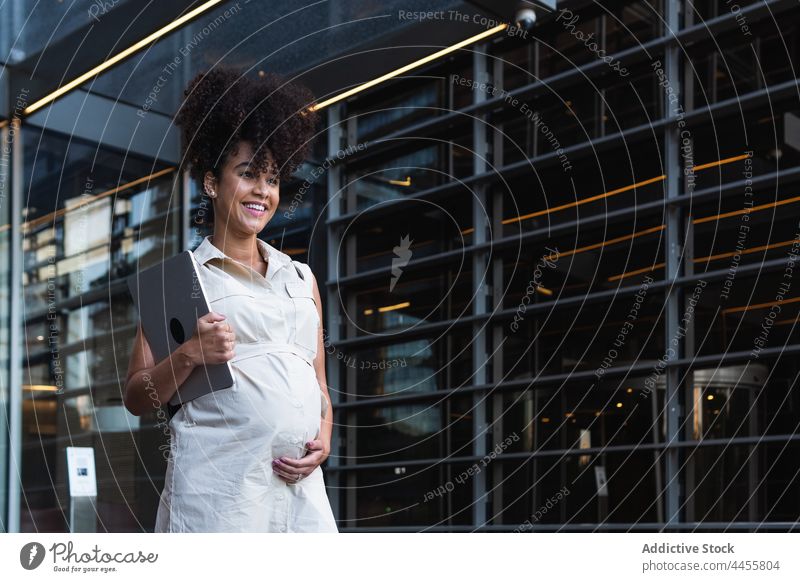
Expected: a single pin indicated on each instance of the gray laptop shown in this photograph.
(170, 298)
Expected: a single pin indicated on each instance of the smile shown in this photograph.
(255, 208)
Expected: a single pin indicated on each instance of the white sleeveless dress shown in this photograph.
(219, 474)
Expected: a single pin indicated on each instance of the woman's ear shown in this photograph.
(210, 184)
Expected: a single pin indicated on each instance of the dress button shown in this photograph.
(297, 403)
(279, 497)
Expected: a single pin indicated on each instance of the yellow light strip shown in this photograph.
(746, 210)
(409, 67)
(759, 305)
(394, 307)
(121, 55)
(40, 388)
(406, 182)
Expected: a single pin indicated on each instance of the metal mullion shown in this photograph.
(479, 288)
(16, 333)
(333, 365)
(673, 408)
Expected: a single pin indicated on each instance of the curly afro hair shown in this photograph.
(223, 107)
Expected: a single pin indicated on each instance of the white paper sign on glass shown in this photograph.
(80, 470)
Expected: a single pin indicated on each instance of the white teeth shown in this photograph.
(258, 207)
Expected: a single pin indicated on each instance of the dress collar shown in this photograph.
(207, 251)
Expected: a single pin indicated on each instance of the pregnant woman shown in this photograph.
(245, 458)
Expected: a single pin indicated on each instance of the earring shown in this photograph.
(212, 194)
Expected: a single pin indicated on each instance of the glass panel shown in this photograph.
(421, 365)
(414, 431)
(564, 490)
(633, 25)
(742, 483)
(550, 196)
(408, 496)
(436, 228)
(400, 176)
(413, 101)
(736, 63)
(581, 414)
(593, 337)
(418, 298)
(584, 262)
(91, 221)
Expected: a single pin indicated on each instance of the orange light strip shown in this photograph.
(660, 178)
(720, 162)
(745, 252)
(528, 216)
(759, 305)
(61, 211)
(636, 272)
(604, 243)
(704, 259)
(582, 201)
(746, 210)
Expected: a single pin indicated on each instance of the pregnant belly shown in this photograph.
(280, 396)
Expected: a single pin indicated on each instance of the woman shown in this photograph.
(246, 458)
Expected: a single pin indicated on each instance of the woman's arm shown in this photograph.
(318, 450)
(326, 427)
(149, 384)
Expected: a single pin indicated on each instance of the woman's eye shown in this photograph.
(247, 174)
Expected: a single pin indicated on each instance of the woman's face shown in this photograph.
(244, 202)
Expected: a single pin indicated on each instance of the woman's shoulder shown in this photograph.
(303, 270)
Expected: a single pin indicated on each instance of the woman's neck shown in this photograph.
(242, 250)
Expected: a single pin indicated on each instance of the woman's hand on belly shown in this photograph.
(289, 469)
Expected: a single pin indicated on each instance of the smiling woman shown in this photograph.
(245, 458)
(225, 110)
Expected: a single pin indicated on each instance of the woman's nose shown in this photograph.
(260, 188)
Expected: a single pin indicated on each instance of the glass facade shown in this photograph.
(552, 277)
(605, 322)
(114, 214)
